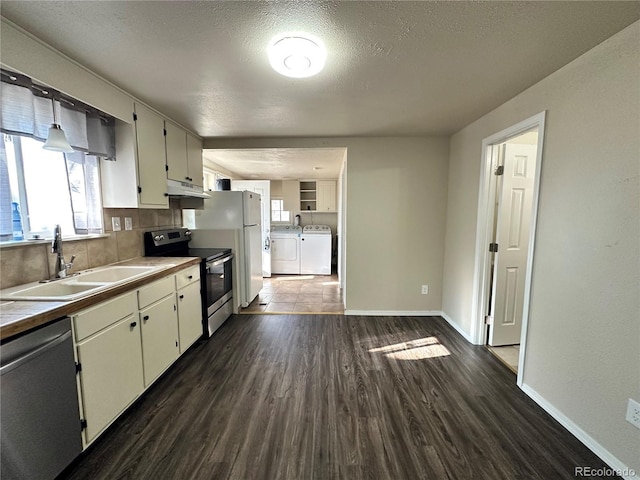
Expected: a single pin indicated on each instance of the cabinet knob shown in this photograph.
(133, 324)
(181, 297)
(145, 318)
(190, 277)
(166, 194)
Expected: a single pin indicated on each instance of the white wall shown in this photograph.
(396, 197)
(583, 342)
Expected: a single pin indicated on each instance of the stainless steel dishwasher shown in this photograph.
(39, 418)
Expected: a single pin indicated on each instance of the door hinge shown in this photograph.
(493, 247)
(488, 320)
(139, 189)
(135, 117)
(499, 170)
(78, 367)
(83, 424)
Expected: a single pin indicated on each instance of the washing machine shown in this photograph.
(315, 250)
(285, 249)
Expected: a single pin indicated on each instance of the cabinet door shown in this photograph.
(152, 174)
(189, 315)
(159, 337)
(176, 143)
(194, 160)
(111, 376)
(291, 195)
(326, 195)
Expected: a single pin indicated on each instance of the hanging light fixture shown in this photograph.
(57, 140)
(297, 55)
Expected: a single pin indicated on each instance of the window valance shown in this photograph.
(27, 110)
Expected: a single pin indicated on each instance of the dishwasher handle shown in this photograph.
(35, 353)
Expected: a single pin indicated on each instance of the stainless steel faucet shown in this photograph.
(62, 268)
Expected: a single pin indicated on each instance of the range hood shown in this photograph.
(182, 189)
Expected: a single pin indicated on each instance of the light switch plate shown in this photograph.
(128, 224)
(115, 223)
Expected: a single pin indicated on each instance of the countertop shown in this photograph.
(20, 316)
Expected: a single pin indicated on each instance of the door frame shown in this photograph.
(484, 231)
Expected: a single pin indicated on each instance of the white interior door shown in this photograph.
(263, 187)
(512, 237)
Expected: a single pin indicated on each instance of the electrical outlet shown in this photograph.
(115, 223)
(425, 290)
(633, 413)
(128, 224)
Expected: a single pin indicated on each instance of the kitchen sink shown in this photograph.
(61, 290)
(114, 274)
(78, 286)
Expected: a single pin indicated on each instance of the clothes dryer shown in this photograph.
(285, 249)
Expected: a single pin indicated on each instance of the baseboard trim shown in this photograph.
(605, 455)
(395, 313)
(456, 327)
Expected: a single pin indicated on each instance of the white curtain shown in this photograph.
(26, 114)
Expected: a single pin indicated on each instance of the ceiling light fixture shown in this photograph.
(297, 55)
(56, 139)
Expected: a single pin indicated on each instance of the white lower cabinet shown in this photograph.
(159, 337)
(110, 363)
(122, 345)
(189, 315)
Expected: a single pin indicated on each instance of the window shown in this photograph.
(46, 188)
(40, 188)
(277, 212)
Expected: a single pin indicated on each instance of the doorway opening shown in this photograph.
(507, 212)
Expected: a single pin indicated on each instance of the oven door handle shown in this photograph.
(219, 262)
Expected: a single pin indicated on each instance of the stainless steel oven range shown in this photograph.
(216, 277)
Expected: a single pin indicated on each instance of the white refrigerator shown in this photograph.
(239, 211)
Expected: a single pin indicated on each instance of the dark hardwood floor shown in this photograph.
(329, 396)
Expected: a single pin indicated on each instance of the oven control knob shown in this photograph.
(187, 233)
(158, 238)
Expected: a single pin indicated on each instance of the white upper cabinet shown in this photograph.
(152, 177)
(138, 179)
(317, 195)
(184, 155)
(176, 143)
(194, 160)
(326, 195)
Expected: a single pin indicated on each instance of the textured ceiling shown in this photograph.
(393, 68)
(278, 163)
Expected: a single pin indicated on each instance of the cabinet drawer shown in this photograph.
(94, 319)
(187, 276)
(154, 292)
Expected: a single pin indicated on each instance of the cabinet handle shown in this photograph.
(145, 318)
(181, 297)
(133, 324)
(174, 307)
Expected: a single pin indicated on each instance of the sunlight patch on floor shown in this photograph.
(428, 347)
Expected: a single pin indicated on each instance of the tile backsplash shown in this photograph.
(27, 263)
